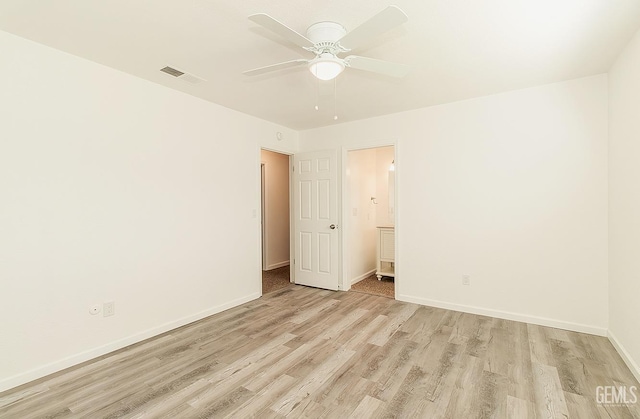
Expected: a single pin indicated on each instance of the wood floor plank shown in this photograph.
(498, 354)
(570, 368)
(464, 389)
(518, 408)
(579, 408)
(273, 390)
(342, 393)
(539, 346)
(479, 340)
(492, 395)
(385, 333)
(436, 383)
(374, 360)
(277, 369)
(550, 399)
(307, 314)
(234, 373)
(394, 358)
(422, 323)
(361, 332)
(220, 388)
(520, 370)
(144, 409)
(306, 352)
(312, 359)
(311, 382)
(367, 408)
(223, 405)
(399, 404)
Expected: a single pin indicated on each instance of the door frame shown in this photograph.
(343, 210)
(345, 282)
(263, 205)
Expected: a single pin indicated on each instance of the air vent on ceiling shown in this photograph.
(182, 75)
(172, 71)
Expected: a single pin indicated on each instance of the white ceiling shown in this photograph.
(457, 49)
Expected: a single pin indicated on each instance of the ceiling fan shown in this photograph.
(327, 40)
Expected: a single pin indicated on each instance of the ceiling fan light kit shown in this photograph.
(326, 66)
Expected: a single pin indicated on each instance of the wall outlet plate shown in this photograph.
(466, 280)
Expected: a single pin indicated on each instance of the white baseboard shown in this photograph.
(34, 374)
(363, 276)
(277, 265)
(626, 357)
(541, 321)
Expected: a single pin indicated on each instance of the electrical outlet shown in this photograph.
(466, 280)
(109, 309)
(95, 309)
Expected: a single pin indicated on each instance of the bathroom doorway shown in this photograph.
(370, 228)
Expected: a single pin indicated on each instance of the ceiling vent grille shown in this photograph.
(172, 71)
(182, 75)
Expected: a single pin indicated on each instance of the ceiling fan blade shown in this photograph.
(377, 66)
(274, 67)
(280, 29)
(387, 19)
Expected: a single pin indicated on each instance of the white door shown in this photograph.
(315, 202)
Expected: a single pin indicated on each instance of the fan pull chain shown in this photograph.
(335, 100)
(317, 93)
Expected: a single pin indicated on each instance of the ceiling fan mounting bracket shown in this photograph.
(325, 32)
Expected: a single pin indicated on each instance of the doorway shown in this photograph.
(370, 211)
(275, 222)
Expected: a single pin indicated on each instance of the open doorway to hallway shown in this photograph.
(274, 169)
(371, 226)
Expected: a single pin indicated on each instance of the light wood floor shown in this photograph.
(304, 352)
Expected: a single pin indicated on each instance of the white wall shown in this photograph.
(276, 208)
(116, 189)
(510, 189)
(361, 181)
(624, 204)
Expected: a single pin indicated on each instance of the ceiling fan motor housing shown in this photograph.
(322, 32)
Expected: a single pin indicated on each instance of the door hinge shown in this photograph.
(293, 168)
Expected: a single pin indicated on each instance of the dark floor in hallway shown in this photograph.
(275, 279)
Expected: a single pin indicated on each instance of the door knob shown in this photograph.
(333, 226)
